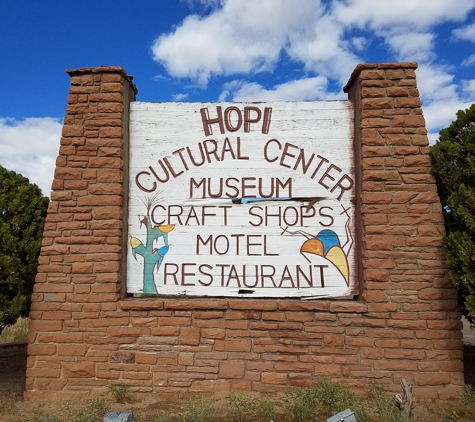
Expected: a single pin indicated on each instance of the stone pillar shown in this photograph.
(80, 265)
(403, 274)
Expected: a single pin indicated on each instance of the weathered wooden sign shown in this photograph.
(233, 199)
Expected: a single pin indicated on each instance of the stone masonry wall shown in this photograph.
(85, 334)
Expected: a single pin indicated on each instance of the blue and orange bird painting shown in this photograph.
(327, 244)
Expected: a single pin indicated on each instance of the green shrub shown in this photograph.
(384, 406)
(198, 409)
(22, 216)
(242, 406)
(245, 407)
(91, 411)
(166, 417)
(300, 404)
(469, 394)
(265, 410)
(337, 398)
(453, 166)
(118, 392)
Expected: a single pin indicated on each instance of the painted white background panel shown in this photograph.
(234, 199)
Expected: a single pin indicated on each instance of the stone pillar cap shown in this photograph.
(389, 65)
(104, 69)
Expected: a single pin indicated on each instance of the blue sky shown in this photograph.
(220, 50)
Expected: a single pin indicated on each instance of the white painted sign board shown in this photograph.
(242, 199)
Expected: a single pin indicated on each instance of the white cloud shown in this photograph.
(240, 37)
(161, 78)
(469, 60)
(359, 43)
(230, 87)
(469, 88)
(324, 50)
(30, 147)
(298, 90)
(412, 46)
(179, 97)
(433, 136)
(441, 97)
(435, 83)
(205, 3)
(416, 14)
(465, 33)
(214, 48)
(440, 114)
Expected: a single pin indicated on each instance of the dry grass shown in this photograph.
(17, 332)
(241, 407)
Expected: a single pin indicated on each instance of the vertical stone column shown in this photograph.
(79, 273)
(403, 276)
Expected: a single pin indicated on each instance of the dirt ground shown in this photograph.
(12, 374)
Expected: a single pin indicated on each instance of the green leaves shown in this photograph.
(22, 216)
(453, 158)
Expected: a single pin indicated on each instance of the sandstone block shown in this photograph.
(432, 379)
(126, 357)
(274, 378)
(72, 130)
(190, 336)
(78, 369)
(232, 345)
(230, 369)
